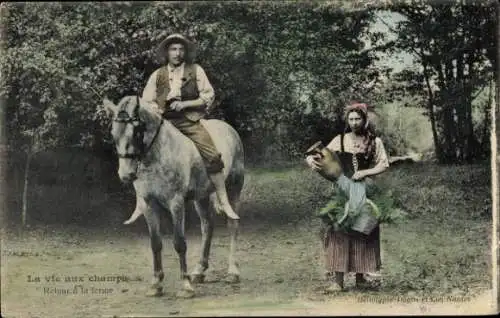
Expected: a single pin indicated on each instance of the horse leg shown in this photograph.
(153, 222)
(233, 226)
(207, 228)
(177, 208)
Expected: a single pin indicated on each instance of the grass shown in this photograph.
(442, 249)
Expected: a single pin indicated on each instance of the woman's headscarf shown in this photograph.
(358, 106)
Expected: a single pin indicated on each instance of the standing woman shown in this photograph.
(362, 155)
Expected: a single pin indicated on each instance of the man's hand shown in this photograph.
(359, 175)
(177, 105)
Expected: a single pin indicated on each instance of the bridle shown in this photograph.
(138, 133)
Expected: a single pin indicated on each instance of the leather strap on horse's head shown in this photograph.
(139, 129)
(124, 117)
(139, 126)
(138, 103)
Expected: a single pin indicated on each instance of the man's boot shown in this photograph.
(220, 189)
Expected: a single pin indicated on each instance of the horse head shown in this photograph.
(135, 126)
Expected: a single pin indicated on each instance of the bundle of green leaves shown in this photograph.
(385, 207)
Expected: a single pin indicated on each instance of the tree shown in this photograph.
(46, 108)
(455, 45)
(298, 65)
(273, 65)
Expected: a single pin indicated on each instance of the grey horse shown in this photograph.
(167, 173)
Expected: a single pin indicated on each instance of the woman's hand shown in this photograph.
(313, 163)
(359, 175)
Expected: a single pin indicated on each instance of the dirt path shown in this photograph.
(348, 305)
(281, 275)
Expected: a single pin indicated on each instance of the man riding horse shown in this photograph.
(182, 93)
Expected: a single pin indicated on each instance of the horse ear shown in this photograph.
(109, 106)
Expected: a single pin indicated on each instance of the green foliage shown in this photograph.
(63, 58)
(69, 57)
(282, 71)
(454, 45)
(400, 122)
(437, 257)
(389, 206)
(385, 208)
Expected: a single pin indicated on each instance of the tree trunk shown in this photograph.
(430, 107)
(437, 145)
(462, 107)
(446, 120)
(452, 134)
(460, 133)
(24, 213)
(470, 139)
(449, 142)
(483, 140)
(487, 116)
(470, 143)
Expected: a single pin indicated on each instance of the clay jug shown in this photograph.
(332, 167)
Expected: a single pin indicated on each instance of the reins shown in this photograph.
(139, 129)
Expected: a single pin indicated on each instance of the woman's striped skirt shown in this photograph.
(352, 252)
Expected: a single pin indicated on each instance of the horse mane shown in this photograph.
(146, 111)
(151, 114)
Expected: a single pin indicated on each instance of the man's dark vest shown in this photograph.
(189, 91)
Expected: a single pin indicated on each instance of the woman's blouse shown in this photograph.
(380, 158)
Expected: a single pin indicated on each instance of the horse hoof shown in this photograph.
(197, 278)
(155, 292)
(185, 294)
(233, 278)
